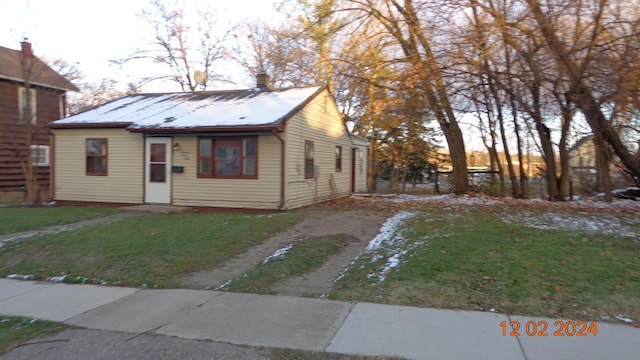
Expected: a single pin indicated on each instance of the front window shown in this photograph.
(338, 158)
(97, 156)
(228, 158)
(308, 159)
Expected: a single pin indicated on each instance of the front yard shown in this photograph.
(529, 258)
(145, 251)
(17, 219)
(515, 261)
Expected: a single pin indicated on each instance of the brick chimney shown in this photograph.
(262, 82)
(26, 48)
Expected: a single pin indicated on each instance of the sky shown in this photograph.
(90, 33)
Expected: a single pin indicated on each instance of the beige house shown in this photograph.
(251, 149)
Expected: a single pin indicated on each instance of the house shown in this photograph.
(31, 96)
(583, 157)
(250, 149)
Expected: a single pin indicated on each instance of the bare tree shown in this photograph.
(173, 45)
(407, 25)
(283, 52)
(592, 40)
(94, 94)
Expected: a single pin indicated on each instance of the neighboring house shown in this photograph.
(251, 149)
(31, 96)
(582, 165)
(582, 155)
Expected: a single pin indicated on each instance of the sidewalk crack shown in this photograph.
(518, 340)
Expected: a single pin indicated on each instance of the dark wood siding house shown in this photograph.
(31, 96)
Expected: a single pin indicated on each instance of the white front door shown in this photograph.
(157, 170)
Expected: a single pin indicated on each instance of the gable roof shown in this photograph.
(41, 73)
(233, 110)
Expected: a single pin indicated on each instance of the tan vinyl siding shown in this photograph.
(321, 123)
(124, 182)
(261, 193)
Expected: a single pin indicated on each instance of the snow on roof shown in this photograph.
(194, 110)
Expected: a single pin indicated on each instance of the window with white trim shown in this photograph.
(40, 155)
(25, 103)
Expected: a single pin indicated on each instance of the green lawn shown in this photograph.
(13, 220)
(474, 260)
(156, 250)
(16, 330)
(300, 258)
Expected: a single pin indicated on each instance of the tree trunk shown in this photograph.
(417, 49)
(603, 178)
(581, 94)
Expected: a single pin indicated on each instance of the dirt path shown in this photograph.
(360, 226)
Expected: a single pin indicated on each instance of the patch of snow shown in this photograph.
(388, 229)
(392, 262)
(20, 277)
(601, 223)
(388, 244)
(451, 200)
(624, 319)
(19, 237)
(57, 279)
(278, 254)
(224, 285)
(31, 234)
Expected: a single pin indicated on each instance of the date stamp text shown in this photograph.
(544, 328)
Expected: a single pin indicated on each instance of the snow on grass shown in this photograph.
(20, 277)
(31, 234)
(600, 223)
(57, 279)
(451, 200)
(278, 254)
(389, 246)
(624, 319)
(388, 229)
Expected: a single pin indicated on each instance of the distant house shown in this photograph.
(252, 149)
(582, 164)
(582, 155)
(31, 96)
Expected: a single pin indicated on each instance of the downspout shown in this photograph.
(52, 166)
(282, 168)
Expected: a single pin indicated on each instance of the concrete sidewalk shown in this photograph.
(308, 324)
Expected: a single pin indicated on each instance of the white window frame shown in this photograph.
(61, 106)
(45, 156)
(22, 105)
